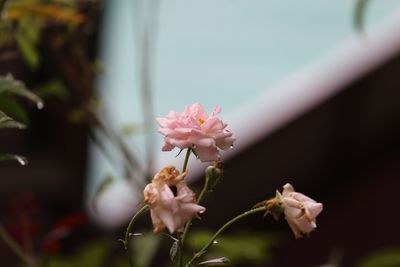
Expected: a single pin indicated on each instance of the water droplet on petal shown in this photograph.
(231, 147)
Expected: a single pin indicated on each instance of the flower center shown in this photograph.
(201, 121)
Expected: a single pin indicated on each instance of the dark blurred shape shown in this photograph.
(62, 229)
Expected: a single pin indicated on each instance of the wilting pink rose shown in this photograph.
(166, 208)
(193, 128)
(300, 211)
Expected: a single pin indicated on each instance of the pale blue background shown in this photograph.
(224, 51)
(216, 52)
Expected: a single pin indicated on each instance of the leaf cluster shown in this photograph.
(9, 89)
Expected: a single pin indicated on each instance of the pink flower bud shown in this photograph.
(300, 211)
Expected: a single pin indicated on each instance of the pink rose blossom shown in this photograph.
(300, 211)
(193, 128)
(166, 208)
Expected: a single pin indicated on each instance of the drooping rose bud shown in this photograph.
(169, 209)
(300, 211)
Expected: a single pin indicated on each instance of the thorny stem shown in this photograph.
(226, 225)
(129, 230)
(27, 259)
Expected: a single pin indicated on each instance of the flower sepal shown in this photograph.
(275, 206)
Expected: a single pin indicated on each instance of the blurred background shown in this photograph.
(310, 90)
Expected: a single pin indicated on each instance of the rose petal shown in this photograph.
(193, 127)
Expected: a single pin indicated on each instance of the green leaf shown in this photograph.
(31, 28)
(359, 14)
(224, 261)
(53, 88)
(21, 160)
(27, 37)
(8, 122)
(28, 51)
(9, 85)
(13, 109)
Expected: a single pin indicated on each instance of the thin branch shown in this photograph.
(7, 239)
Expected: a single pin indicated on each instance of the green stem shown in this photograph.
(181, 237)
(180, 252)
(129, 230)
(27, 259)
(204, 190)
(185, 163)
(226, 225)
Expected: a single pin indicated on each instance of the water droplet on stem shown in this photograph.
(40, 105)
(21, 160)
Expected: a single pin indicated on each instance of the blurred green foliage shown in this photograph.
(144, 248)
(13, 108)
(89, 255)
(7, 122)
(23, 20)
(54, 88)
(10, 87)
(247, 248)
(132, 129)
(98, 253)
(388, 257)
(359, 14)
(27, 38)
